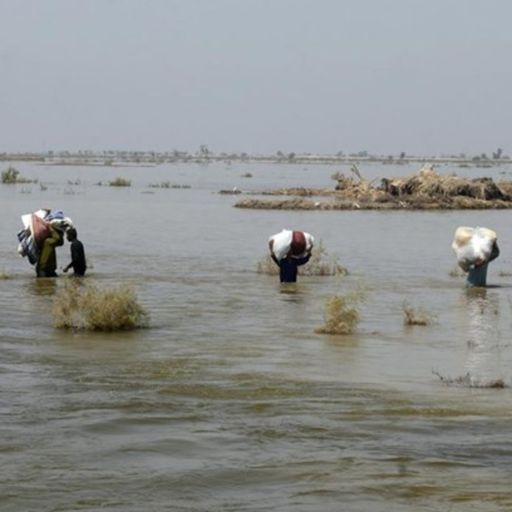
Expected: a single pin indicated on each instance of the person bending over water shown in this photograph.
(298, 253)
(475, 248)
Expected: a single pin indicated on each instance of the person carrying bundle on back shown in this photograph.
(475, 249)
(46, 265)
(289, 250)
(43, 231)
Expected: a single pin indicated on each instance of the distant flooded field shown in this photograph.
(230, 401)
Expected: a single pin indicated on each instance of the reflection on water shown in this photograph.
(42, 286)
(230, 401)
(484, 353)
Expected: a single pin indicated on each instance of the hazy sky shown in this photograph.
(420, 76)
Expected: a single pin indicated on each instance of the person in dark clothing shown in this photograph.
(288, 267)
(77, 254)
(477, 275)
(298, 254)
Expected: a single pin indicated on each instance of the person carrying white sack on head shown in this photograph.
(289, 250)
(475, 249)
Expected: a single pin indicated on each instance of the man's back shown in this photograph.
(78, 257)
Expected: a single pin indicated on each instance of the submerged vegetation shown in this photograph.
(167, 184)
(470, 382)
(320, 264)
(413, 316)
(456, 271)
(11, 176)
(163, 184)
(120, 182)
(341, 314)
(85, 307)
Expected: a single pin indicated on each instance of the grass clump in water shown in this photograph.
(163, 184)
(341, 314)
(470, 382)
(456, 272)
(86, 307)
(12, 176)
(320, 264)
(414, 316)
(120, 182)
(4, 276)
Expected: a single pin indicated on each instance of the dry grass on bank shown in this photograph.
(413, 316)
(85, 307)
(341, 314)
(320, 264)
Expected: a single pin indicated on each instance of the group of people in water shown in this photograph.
(46, 265)
(475, 248)
(43, 231)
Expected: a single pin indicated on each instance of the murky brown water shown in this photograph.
(230, 401)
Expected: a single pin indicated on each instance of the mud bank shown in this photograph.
(426, 190)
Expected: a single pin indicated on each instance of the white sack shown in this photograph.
(283, 240)
(473, 246)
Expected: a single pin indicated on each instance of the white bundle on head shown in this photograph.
(473, 245)
(282, 242)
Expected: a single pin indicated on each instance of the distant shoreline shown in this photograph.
(143, 159)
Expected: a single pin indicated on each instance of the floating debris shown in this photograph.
(426, 190)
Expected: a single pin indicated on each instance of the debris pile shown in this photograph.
(426, 190)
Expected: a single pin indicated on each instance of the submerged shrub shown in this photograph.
(163, 184)
(86, 307)
(471, 382)
(341, 314)
(120, 182)
(414, 316)
(11, 176)
(456, 272)
(320, 264)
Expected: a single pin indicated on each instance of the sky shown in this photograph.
(427, 77)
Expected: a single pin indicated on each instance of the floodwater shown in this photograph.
(230, 401)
